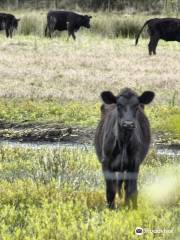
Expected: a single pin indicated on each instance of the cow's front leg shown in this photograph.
(70, 29)
(110, 179)
(119, 184)
(7, 32)
(131, 192)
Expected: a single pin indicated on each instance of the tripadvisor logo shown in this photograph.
(138, 231)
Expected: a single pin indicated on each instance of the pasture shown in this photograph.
(38, 68)
(59, 194)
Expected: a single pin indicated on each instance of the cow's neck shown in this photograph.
(124, 136)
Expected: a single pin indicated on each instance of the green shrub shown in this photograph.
(33, 209)
(116, 25)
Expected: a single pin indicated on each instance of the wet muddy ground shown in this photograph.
(49, 132)
(56, 132)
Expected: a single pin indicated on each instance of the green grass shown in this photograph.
(163, 119)
(59, 194)
(36, 204)
(166, 119)
(69, 113)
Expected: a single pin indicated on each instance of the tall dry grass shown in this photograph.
(33, 67)
(110, 25)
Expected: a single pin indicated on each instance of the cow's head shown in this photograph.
(127, 105)
(85, 21)
(15, 23)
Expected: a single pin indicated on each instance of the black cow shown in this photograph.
(122, 141)
(8, 22)
(65, 20)
(167, 29)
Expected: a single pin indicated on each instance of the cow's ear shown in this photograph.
(18, 19)
(146, 97)
(108, 97)
(89, 17)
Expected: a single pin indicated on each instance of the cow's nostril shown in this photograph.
(128, 124)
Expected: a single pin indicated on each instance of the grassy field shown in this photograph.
(59, 81)
(39, 68)
(25, 113)
(105, 24)
(59, 194)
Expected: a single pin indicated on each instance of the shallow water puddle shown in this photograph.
(47, 145)
(171, 152)
(161, 151)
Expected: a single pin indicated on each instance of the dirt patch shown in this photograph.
(57, 132)
(51, 132)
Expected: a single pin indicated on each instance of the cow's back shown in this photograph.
(167, 28)
(61, 18)
(7, 16)
(6, 19)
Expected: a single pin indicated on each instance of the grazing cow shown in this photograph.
(167, 29)
(122, 141)
(65, 20)
(8, 22)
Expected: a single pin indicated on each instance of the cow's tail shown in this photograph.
(139, 33)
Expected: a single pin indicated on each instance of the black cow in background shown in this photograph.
(122, 141)
(65, 20)
(167, 29)
(8, 22)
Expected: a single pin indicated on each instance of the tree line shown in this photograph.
(95, 5)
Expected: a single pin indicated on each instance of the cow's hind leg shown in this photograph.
(51, 26)
(110, 179)
(50, 31)
(150, 46)
(71, 33)
(153, 44)
(45, 32)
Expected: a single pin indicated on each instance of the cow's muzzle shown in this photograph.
(128, 125)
